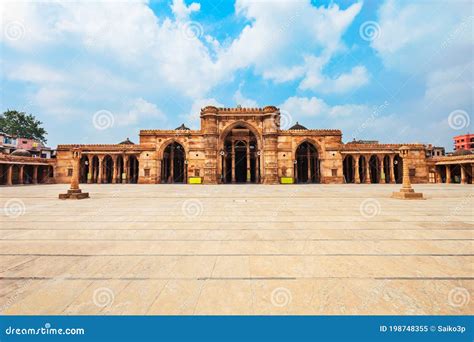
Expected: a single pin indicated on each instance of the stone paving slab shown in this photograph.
(236, 249)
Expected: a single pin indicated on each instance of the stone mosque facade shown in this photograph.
(247, 145)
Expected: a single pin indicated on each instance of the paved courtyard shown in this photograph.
(236, 249)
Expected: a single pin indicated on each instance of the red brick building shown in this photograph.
(464, 142)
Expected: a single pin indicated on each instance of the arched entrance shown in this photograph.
(362, 169)
(120, 169)
(348, 169)
(84, 169)
(173, 164)
(28, 171)
(468, 172)
(386, 168)
(456, 173)
(3, 173)
(398, 169)
(240, 159)
(133, 169)
(16, 174)
(108, 174)
(307, 163)
(94, 169)
(374, 169)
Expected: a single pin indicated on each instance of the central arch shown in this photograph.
(173, 164)
(307, 163)
(240, 156)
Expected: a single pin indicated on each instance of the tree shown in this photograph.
(22, 125)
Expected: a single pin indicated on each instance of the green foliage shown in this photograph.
(22, 125)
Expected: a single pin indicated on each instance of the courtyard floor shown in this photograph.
(236, 249)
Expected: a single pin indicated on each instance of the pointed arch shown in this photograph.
(173, 163)
(308, 165)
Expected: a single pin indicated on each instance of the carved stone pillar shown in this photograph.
(101, 171)
(448, 174)
(367, 169)
(74, 191)
(270, 158)
(356, 170)
(248, 162)
(224, 168)
(35, 174)
(308, 157)
(115, 169)
(125, 169)
(392, 170)
(171, 166)
(463, 174)
(406, 192)
(76, 170)
(21, 174)
(9, 174)
(90, 170)
(381, 169)
(233, 161)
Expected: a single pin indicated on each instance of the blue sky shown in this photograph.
(98, 72)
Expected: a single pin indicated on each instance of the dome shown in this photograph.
(209, 109)
(297, 126)
(461, 152)
(182, 128)
(126, 142)
(270, 109)
(21, 153)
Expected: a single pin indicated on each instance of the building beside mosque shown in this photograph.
(247, 145)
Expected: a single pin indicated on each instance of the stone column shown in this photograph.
(90, 170)
(224, 167)
(406, 192)
(463, 174)
(74, 191)
(171, 165)
(295, 165)
(115, 169)
(101, 171)
(76, 170)
(21, 174)
(233, 161)
(125, 169)
(35, 174)
(437, 175)
(406, 174)
(392, 170)
(356, 170)
(248, 162)
(367, 169)
(448, 174)
(381, 169)
(308, 157)
(9, 174)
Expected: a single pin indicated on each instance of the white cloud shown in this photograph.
(139, 109)
(424, 36)
(32, 72)
(283, 36)
(430, 43)
(193, 116)
(301, 107)
(181, 11)
(343, 83)
(243, 101)
(274, 43)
